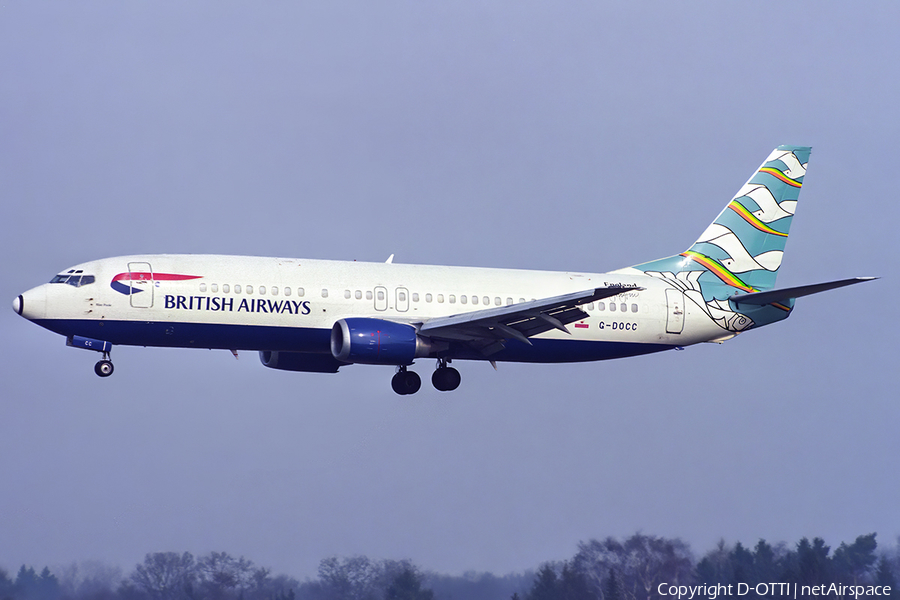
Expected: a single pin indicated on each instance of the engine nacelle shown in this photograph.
(300, 361)
(377, 342)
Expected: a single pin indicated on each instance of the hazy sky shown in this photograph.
(581, 136)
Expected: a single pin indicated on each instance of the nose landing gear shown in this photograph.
(104, 367)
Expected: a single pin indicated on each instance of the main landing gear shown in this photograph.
(104, 367)
(444, 379)
(406, 382)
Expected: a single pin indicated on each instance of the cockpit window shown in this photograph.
(74, 278)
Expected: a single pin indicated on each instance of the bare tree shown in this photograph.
(349, 578)
(640, 564)
(221, 575)
(166, 576)
(89, 580)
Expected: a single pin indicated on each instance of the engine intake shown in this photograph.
(377, 342)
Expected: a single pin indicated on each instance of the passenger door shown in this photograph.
(675, 311)
(140, 275)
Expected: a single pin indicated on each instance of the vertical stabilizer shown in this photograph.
(743, 248)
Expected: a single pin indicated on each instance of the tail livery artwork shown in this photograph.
(319, 315)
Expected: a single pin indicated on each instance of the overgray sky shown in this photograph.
(582, 136)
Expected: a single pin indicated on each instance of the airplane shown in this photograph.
(320, 315)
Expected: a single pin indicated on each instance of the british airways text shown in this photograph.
(254, 305)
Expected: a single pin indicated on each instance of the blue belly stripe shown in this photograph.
(307, 339)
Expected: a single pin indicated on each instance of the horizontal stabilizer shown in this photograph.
(768, 297)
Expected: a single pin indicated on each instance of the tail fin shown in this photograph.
(743, 247)
(741, 251)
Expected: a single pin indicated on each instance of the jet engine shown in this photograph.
(377, 342)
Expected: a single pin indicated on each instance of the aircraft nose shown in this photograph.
(32, 304)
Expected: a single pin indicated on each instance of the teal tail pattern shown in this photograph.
(744, 246)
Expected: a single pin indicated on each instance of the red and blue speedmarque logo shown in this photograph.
(144, 277)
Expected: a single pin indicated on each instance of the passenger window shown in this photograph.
(624, 307)
(202, 287)
(486, 301)
(401, 296)
(509, 301)
(521, 299)
(463, 299)
(347, 294)
(427, 297)
(452, 298)
(300, 292)
(634, 308)
(214, 288)
(324, 293)
(590, 306)
(237, 288)
(287, 291)
(612, 306)
(497, 301)
(248, 289)
(415, 296)
(368, 294)
(440, 298)
(262, 290)
(358, 294)
(474, 299)
(380, 295)
(225, 288)
(274, 291)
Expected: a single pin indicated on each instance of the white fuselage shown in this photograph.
(256, 303)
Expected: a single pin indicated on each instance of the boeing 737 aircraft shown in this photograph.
(319, 315)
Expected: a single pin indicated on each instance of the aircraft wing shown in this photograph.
(487, 329)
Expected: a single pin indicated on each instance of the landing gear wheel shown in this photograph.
(104, 368)
(406, 382)
(445, 379)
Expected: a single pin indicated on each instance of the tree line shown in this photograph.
(645, 567)
(640, 567)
